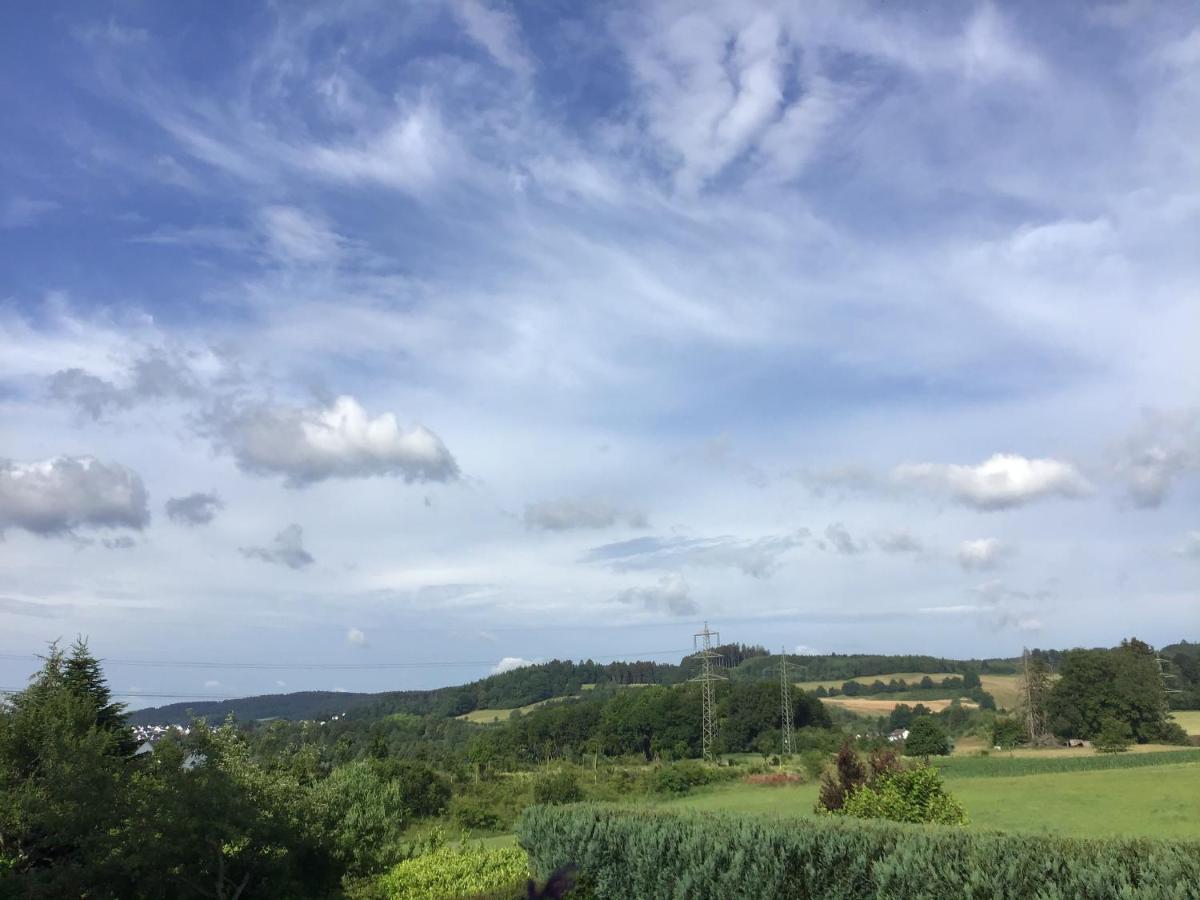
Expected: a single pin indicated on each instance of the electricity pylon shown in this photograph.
(785, 702)
(702, 644)
(1163, 674)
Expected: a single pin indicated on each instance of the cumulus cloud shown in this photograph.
(671, 595)
(982, 554)
(338, 441)
(154, 376)
(566, 515)
(842, 541)
(1190, 548)
(508, 663)
(898, 542)
(758, 557)
(194, 509)
(1165, 447)
(59, 495)
(287, 549)
(356, 638)
(999, 482)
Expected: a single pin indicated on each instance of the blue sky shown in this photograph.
(476, 332)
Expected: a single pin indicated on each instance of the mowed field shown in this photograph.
(1189, 719)
(1155, 801)
(1005, 688)
(910, 678)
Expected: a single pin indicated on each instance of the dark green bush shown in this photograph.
(625, 853)
(681, 777)
(557, 787)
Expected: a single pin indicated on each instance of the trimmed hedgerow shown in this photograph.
(692, 856)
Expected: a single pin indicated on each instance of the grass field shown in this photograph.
(908, 677)
(489, 716)
(872, 707)
(1189, 719)
(1005, 688)
(1159, 801)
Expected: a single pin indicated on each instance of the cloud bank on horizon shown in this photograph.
(506, 335)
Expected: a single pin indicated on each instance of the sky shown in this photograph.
(375, 346)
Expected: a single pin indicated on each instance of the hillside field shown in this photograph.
(1156, 801)
(909, 677)
(1189, 719)
(876, 707)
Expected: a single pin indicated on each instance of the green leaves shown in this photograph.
(448, 873)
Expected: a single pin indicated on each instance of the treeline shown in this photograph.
(1183, 674)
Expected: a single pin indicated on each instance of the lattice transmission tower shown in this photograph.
(785, 702)
(1163, 674)
(709, 661)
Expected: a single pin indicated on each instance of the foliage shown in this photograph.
(1122, 684)
(1114, 737)
(361, 817)
(455, 872)
(846, 776)
(1007, 732)
(813, 762)
(557, 787)
(491, 805)
(624, 853)
(62, 779)
(906, 795)
(927, 738)
(681, 777)
(423, 791)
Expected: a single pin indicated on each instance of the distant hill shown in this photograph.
(564, 678)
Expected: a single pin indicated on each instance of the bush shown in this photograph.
(491, 805)
(681, 777)
(906, 795)
(1114, 737)
(454, 872)
(360, 818)
(631, 853)
(813, 763)
(557, 787)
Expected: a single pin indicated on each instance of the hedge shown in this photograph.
(623, 854)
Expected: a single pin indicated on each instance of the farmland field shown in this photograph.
(875, 707)
(909, 677)
(1005, 688)
(1158, 801)
(1189, 719)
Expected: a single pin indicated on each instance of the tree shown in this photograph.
(1114, 736)
(1007, 732)
(62, 780)
(927, 738)
(906, 795)
(1121, 684)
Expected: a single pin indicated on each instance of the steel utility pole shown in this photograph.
(785, 701)
(1163, 674)
(702, 643)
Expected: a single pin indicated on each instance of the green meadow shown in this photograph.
(1149, 801)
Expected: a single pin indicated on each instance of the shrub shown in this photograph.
(906, 795)
(491, 805)
(846, 776)
(681, 777)
(631, 853)
(1007, 732)
(1114, 737)
(360, 817)
(557, 787)
(813, 762)
(454, 872)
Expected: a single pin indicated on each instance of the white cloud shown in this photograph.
(212, 683)
(999, 482)
(287, 549)
(296, 236)
(568, 514)
(672, 595)
(508, 663)
(356, 638)
(1165, 448)
(338, 441)
(497, 31)
(62, 494)
(982, 554)
(757, 557)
